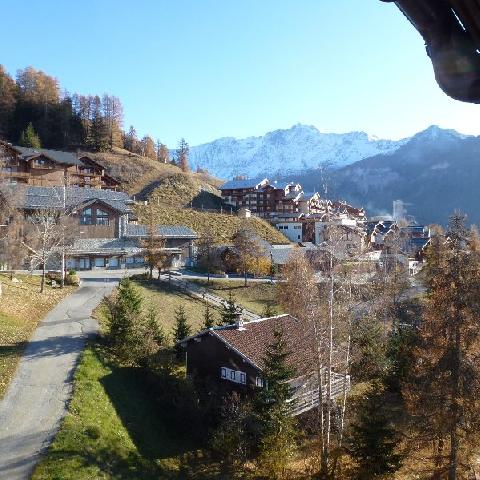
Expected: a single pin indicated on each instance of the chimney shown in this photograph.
(239, 320)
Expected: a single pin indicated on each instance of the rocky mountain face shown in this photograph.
(435, 173)
(290, 151)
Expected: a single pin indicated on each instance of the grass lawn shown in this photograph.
(166, 300)
(254, 297)
(21, 308)
(115, 430)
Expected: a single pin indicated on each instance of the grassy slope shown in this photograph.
(169, 190)
(113, 429)
(254, 297)
(141, 175)
(168, 300)
(222, 226)
(21, 308)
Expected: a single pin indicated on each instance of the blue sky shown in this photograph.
(204, 69)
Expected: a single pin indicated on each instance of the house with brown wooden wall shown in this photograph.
(47, 168)
(103, 232)
(231, 357)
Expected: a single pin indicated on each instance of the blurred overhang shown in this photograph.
(451, 30)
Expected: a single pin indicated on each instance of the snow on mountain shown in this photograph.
(281, 152)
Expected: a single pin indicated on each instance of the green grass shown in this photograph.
(167, 300)
(114, 429)
(254, 297)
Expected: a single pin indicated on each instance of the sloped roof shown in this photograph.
(37, 198)
(166, 231)
(66, 158)
(245, 183)
(106, 246)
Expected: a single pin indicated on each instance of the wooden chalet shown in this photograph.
(232, 357)
(48, 168)
(103, 232)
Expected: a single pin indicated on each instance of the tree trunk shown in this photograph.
(245, 277)
(44, 274)
(453, 460)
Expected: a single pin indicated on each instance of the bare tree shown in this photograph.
(46, 238)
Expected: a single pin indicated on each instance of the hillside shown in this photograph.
(141, 175)
(222, 226)
(182, 189)
(435, 173)
(296, 149)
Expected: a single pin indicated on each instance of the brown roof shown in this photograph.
(253, 339)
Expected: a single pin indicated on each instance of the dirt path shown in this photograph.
(36, 401)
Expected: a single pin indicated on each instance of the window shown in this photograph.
(102, 217)
(87, 217)
(99, 261)
(259, 382)
(40, 162)
(234, 376)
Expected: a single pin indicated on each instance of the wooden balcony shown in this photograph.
(306, 396)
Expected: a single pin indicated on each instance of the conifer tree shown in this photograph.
(181, 330)
(163, 154)
(230, 310)
(29, 138)
(269, 311)
(444, 388)
(123, 313)
(183, 152)
(208, 319)
(373, 440)
(272, 405)
(154, 327)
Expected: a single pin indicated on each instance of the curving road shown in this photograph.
(37, 399)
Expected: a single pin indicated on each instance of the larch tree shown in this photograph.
(148, 147)
(444, 390)
(248, 248)
(163, 153)
(8, 93)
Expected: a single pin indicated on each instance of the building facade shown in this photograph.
(47, 168)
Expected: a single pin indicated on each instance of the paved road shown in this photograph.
(37, 398)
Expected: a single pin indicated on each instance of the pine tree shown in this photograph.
(154, 327)
(99, 137)
(208, 319)
(269, 310)
(373, 440)
(230, 310)
(272, 406)
(124, 311)
(181, 330)
(183, 151)
(29, 138)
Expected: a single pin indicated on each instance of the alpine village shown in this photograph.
(226, 328)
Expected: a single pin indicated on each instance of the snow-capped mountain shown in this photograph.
(281, 152)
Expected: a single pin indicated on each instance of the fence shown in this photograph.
(204, 294)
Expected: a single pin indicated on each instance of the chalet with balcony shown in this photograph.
(232, 357)
(103, 232)
(48, 168)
